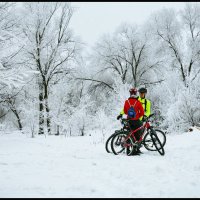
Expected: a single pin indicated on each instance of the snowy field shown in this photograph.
(59, 166)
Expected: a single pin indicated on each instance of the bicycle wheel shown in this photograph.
(121, 145)
(148, 143)
(108, 143)
(157, 143)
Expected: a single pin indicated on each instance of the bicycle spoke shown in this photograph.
(148, 142)
(120, 144)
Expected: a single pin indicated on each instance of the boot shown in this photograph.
(128, 151)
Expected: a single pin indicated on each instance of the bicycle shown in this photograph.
(126, 140)
(148, 141)
(124, 129)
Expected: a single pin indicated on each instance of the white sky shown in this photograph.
(93, 19)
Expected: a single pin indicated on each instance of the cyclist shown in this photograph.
(145, 102)
(139, 110)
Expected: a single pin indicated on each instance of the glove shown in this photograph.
(119, 116)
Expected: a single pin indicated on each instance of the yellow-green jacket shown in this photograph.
(147, 108)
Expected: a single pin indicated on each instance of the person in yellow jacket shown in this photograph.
(146, 104)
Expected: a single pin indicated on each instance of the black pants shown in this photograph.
(134, 124)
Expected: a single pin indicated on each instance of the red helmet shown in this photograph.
(133, 91)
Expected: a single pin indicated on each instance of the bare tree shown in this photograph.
(51, 48)
(8, 101)
(12, 75)
(191, 20)
(179, 39)
(126, 55)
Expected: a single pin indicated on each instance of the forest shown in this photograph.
(49, 85)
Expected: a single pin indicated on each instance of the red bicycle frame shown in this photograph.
(145, 126)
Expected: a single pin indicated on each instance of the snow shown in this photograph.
(60, 166)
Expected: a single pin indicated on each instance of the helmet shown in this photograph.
(133, 91)
(142, 90)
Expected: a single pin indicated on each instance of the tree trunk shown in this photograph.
(82, 130)
(18, 118)
(58, 130)
(47, 108)
(41, 110)
(70, 131)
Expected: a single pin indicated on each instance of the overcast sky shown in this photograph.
(93, 19)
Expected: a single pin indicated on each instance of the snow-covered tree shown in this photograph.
(177, 37)
(13, 75)
(50, 47)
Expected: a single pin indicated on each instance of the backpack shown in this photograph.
(131, 111)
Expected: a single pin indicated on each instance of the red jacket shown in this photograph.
(138, 107)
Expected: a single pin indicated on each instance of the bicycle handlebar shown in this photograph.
(151, 115)
(124, 120)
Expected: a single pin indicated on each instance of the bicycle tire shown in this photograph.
(117, 141)
(148, 144)
(156, 141)
(108, 144)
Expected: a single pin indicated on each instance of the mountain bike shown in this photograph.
(148, 140)
(126, 142)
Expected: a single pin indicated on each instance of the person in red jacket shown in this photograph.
(133, 101)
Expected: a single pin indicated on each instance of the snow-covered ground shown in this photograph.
(59, 166)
